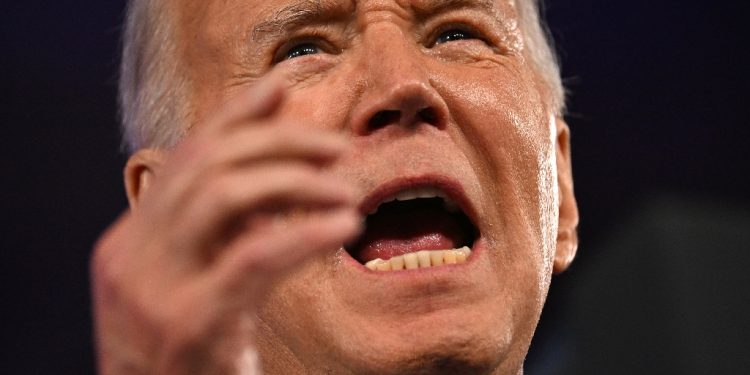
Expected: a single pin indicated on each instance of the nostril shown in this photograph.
(384, 118)
(428, 115)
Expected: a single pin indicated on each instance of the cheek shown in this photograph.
(501, 115)
(507, 135)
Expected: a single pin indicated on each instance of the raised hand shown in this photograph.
(238, 203)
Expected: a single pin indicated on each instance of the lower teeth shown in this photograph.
(421, 259)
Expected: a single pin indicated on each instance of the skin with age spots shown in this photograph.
(301, 114)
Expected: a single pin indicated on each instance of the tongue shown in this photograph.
(405, 227)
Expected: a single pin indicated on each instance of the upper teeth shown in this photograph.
(425, 192)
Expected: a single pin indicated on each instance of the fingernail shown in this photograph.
(349, 220)
(266, 96)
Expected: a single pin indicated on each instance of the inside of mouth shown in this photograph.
(402, 227)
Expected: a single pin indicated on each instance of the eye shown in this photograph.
(452, 35)
(298, 50)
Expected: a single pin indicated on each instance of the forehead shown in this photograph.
(284, 6)
(272, 12)
(222, 22)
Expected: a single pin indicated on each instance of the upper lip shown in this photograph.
(451, 188)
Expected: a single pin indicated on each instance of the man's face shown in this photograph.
(436, 97)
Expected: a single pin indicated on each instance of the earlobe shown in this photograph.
(139, 173)
(567, 231)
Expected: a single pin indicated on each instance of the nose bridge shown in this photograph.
(398, 89)
(391, 57)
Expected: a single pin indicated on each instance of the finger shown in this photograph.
(229, 198)
(259, 101)
(108, 247)
(265, 144)
(261, 149)
(260, 258)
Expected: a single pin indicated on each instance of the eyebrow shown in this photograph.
(307, 12)
(442, 6)
(301, 13)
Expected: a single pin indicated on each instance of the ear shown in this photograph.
(140, 172)
(567, 234)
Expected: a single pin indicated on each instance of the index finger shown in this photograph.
(257, 102)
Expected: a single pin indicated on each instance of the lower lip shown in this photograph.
(477, 250)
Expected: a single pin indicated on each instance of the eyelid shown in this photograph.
(466, 27)
(315, 37)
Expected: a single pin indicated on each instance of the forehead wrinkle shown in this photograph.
(298, 14)
(430, 7)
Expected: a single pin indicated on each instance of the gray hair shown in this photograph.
(154, 89)
(540, 49)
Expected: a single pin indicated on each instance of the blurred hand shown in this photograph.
(239, 202)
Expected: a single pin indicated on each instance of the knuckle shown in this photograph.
(106, 279)
(101, 263)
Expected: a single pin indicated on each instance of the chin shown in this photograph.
(450, 356)
(444, 343)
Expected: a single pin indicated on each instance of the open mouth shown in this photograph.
(416, 227)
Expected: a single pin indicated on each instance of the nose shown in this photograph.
(398, 91)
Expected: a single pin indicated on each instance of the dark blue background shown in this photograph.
(660, 142)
